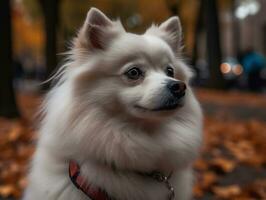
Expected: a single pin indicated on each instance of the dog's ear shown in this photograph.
(97, 31)
(172, 32)
(96, 18)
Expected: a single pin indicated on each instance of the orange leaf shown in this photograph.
(6, 190)
(227, 191)
(225, 165)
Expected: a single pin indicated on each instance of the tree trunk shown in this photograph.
(213, 43)
(50, 10)
(173, 6)
(264, 38)
(236, 30)
(198, 30)
(8, 107)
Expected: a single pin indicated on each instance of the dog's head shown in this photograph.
(117, 93)
(135, 75)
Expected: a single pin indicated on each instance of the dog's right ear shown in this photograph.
(96, 33)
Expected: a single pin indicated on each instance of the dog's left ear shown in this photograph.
(172, 33)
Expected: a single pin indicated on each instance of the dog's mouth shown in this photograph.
(166, 104)
(169, 106)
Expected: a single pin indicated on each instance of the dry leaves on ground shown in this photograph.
(228, 145)
(16, 147)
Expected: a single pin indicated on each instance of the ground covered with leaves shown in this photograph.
(232, 164)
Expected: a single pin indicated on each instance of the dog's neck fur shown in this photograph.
(98, 193)
(134, 180)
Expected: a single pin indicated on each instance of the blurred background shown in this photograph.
(225, 44)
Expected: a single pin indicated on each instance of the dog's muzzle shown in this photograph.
(173, 96)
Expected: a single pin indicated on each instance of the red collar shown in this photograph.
(92, 192)
(99, 194)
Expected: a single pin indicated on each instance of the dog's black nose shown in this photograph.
(177, 88)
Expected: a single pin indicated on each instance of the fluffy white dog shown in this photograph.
(122, 122)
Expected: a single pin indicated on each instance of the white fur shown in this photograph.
(90, 117)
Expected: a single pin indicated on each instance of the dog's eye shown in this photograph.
(134, 73)
(169, 71)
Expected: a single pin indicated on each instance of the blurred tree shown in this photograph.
(198, 31)
(208, 21)
(264, 38)
(173, 6)
(33, 9)
(211, 22)
(50, 10)
(174, 9)
(8, 107)
(236, 29)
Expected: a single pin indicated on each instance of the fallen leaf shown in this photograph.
(223, 164)
(226, 191)
(6, 190)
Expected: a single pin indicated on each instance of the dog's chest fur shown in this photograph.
(54, 184)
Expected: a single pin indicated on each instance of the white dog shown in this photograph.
(122, 122)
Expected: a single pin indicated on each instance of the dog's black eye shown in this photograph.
(134, 73)
(169, 71)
